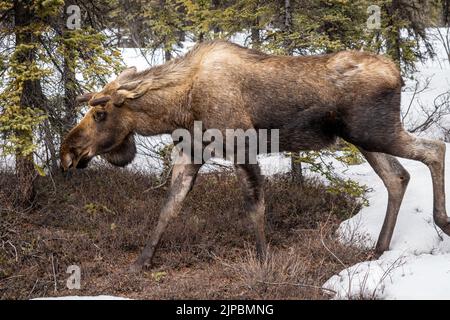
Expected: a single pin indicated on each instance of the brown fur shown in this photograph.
(311, 100)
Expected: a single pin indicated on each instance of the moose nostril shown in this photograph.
(66, 161)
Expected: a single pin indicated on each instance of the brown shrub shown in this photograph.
(100, 219)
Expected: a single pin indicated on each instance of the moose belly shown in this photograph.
(310, 129)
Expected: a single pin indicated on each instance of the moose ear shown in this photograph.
(126, 73)
(129, 85)
(85, 97)
(118, 99)
(131, 90)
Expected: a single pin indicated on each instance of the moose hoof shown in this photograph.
(375, 255)
(380, 248)
(443, 222)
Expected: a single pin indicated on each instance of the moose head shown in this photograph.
(108, 127)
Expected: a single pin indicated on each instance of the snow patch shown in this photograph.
(418, 264)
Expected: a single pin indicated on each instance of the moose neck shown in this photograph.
(165, 106)
(162, 110)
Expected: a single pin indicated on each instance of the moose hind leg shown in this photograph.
(432, 154)
(395, 178)
(183, 178)
(252, 186)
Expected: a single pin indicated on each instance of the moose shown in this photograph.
(312, 100)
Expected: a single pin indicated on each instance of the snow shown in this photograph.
(415, 215)
(396, 276)
(417, 266)
(437, 72)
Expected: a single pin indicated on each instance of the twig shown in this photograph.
(333, 254)
(12, 277)
(54, 274)
(326, 247)
(387, 273)
(438, 232)
(410, 102)
(162, 183)
(15, 250)
(34, 286)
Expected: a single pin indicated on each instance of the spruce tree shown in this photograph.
(39, 62)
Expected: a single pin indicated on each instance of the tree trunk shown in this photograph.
(256, 37)
(255, 32)
(287, 27)
(296, 170)
(394, 41)
(49, 140)
(296, 166)
(167, 55)
(26, 174)
(51, 130)
(70, 94)
(446, 12)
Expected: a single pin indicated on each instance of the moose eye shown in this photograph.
(99, 116)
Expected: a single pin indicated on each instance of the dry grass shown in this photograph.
(100, 219)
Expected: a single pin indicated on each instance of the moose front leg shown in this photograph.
(252, 185)
(183, 178)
